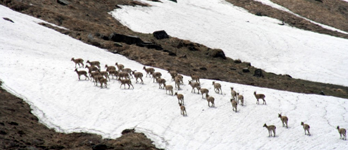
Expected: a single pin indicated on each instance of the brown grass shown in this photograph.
(330, 12)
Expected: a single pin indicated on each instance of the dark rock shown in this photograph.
(288, 76)
(13, 123)
(160, 34)
(97, 44)
(233, 68)
(126, 131)
(238, 61)
(173, 1)
(170, 53)
(150, 45)
(57, 147)
(246, 70)
(125, 38)
(63, 2)
(192, 48)
(258, 73)
(322, 93)
(319, 1)
(217, 53)
(259, 14)
(8, 19)
(21, 133)
(248, 64)
(203, 68)
(99, 147)
(3, 132)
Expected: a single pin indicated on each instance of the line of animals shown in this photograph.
(124, 75)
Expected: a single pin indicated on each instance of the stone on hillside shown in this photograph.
(125, 38)
(63, 2)
(160, 34)
(217, 53)
(246, 70)
(258, 73)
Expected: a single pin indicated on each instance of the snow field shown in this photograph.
(241, 35)
(36, 65)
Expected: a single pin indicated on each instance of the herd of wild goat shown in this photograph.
(124, 75)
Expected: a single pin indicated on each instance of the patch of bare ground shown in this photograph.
(259, 9)
(330, 12)
(89, 22)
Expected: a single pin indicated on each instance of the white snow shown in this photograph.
(241, 35)
(35, 65)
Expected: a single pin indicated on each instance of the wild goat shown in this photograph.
(149, 71)
(240, 98)
(104, 73)
(284, 120)
(210, 99)
(138, 75)
(94, 63)
(77, 61)
(172, 73)
(180, 78)
(177, 82)
(342, 132)
(260, 96)
(91, 68)
(156, 75)
(217, 87)
(183, 109)
(96, 78)
(103, 81)
(128, 70)
(203, 91)
(194, 85)
(305, 128)
(180, 98)
(195, 78)
(109, 68)
(270, 128)
(234, 105)
(168, 88)
(123, 75)
(233, 93)
(93, 74)
(80, 73)
(119, 66)
(113, 73)
(160, 82)
(126, 81)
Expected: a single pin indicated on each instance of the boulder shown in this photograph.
(217, 53)
(246, 70)
(63, 2)
(99, 147)
(125, 38)
(258, 73)
(160, 34)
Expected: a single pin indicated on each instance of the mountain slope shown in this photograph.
(39, 70)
